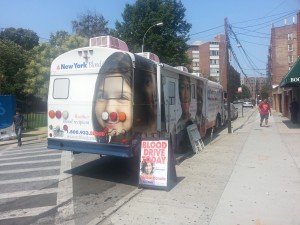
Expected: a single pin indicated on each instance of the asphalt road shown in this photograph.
(42, 186)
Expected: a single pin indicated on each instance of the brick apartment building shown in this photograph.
(209, 61)
(283, 55)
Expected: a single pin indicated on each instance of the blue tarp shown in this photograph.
(7, 110)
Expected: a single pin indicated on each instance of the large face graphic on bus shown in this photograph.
(112, 107)
(184, 91)
(145, 98)
(122, 105)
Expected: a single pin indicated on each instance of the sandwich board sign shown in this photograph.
(154, 169)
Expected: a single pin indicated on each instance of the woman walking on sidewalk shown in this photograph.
(264, 109)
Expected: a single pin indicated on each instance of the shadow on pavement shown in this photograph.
(291, 125)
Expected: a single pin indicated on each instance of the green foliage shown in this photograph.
(27, 39)
(265, 92)
(167, 41)
(235, 80)
(35, 120)
(13, 61)
(245, 92)
(90, 25)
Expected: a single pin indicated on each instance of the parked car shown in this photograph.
(237, 101)
(233, 112)
(247, 104)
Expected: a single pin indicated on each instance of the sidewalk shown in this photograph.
(251, 176)
(28, 135)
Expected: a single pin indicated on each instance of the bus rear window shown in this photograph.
(61, 88)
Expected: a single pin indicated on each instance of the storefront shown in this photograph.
(290, 84)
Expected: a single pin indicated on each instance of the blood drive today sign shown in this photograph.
(154, 163)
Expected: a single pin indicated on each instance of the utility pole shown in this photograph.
(227, 45)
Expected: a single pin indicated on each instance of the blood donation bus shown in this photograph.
(104, 99)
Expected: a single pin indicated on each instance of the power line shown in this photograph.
(251, 63)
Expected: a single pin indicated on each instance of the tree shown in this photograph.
(264, 92)
(38, 69)
(90, 25)
(12, 64)
(235, 80)
(245, 92)
(167, 41)
(27, 39)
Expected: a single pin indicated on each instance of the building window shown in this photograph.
(214, 62)
(195, 56)
(214, 70)
(290, 59)
(290, 47)
(214, 53)
(214, 43)
(290, 36)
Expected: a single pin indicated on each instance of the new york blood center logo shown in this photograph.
(154, 151)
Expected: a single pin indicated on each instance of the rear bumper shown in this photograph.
(90, 147)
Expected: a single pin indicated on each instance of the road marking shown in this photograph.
(30, 162)
(29, 169)
(29, 179)
(19, 194)
(24, 212)
(28, 157)
(11, 153)
(65, 191)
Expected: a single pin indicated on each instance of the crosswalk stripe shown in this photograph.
(30, 162)
(23, 180)
(19, 194)
(27, 147)
(29, 152)
(28, 157)
(65, 192)
(29, 169)
(24, 212)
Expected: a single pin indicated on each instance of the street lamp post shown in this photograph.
(158, 24)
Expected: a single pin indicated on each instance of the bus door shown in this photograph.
(171, 90)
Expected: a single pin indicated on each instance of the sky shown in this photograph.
(250, 21)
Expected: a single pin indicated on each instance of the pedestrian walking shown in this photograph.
(264, 110)
(294, 108)
(18, 126)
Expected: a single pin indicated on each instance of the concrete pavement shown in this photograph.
(28, 135)
(249, 177)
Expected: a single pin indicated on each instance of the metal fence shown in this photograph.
(35, 120)
(34, 112)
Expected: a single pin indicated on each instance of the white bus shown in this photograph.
(104, 99)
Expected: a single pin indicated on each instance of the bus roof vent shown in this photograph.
(149, 55)
(182, 68)
(109, 42)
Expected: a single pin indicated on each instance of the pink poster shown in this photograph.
(154, 163)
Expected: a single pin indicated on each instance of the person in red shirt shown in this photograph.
(264, 109)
